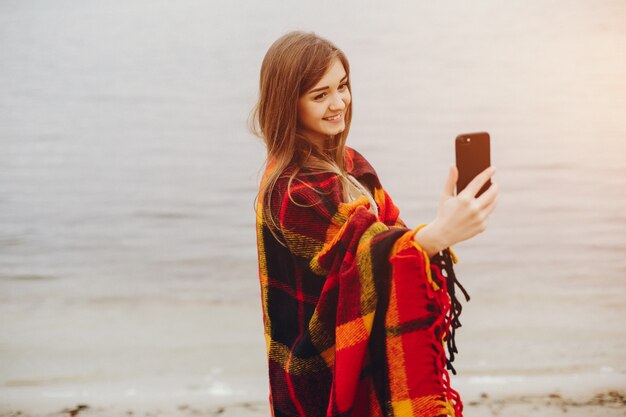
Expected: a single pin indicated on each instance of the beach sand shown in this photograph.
(607, 404)
(117, 357)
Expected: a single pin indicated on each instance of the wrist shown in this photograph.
(430, 240)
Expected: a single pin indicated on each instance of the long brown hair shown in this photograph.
(293, 64)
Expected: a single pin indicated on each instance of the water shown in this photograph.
(127, 172)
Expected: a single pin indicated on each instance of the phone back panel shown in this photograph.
(472, 158)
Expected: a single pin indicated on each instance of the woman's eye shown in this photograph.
(342, 86)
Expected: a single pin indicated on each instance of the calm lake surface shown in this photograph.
(127, 171)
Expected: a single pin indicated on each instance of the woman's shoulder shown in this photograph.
(306, 186)
(359, 167)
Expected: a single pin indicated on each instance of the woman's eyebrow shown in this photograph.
(324, 88)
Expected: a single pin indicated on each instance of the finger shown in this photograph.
(450, 186)
(488, 196)
(490, 208)
(479, 180)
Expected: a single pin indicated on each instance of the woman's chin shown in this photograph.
(336, 130)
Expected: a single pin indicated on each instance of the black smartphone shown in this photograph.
(472, 158)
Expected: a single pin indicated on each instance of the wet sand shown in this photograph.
(116, 357)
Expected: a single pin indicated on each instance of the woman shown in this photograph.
(357, 308)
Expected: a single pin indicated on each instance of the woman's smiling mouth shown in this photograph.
(334, 118)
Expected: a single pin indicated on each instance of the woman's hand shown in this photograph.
(462, 216)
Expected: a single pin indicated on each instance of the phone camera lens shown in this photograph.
(467, 139)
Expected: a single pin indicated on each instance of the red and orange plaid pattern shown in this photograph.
(356, 315)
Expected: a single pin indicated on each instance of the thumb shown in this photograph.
(449, 188)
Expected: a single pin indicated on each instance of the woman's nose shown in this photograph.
(338, 102)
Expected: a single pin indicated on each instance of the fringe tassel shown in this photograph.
(445, 261)
(447, 324)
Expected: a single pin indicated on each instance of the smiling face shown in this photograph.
(322, 109)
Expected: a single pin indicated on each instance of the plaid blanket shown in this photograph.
(356, 316)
